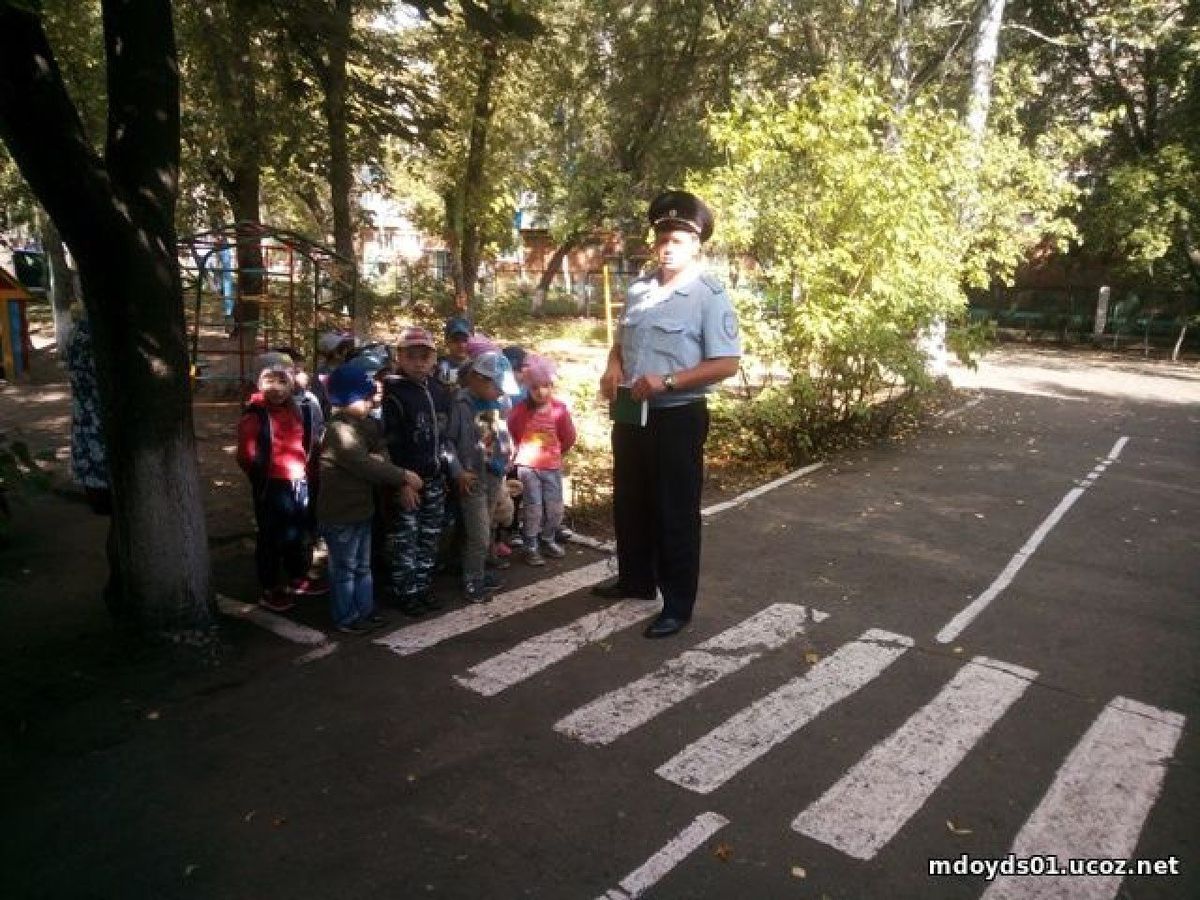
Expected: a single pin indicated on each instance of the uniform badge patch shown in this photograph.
(729, 325)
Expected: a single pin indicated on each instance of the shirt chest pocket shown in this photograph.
(669, 339)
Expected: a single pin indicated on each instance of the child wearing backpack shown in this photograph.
(276, 441)
(543, 431)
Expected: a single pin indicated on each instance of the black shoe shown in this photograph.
(412, 607)
(614, 590)
(664, 626)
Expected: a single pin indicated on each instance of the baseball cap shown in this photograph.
(458, 325)
(416, 337)
(348, 383)
(493, 366)
(331, 340)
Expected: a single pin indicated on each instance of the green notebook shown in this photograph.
(624, 409)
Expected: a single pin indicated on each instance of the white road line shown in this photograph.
(951, 413)
(608, 717)
(760, 490)
(1098, 802)
(708, 763)
(285, 628)
(956, 625)
(321, 652)
(525, 660)
(641, 879)
(423, 635)
(871, 802)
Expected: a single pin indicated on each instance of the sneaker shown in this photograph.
(355, 628)
(478, 592)
(308, 587)
(501, 549)
(564, 534)
(276, 600)
(516, 542)
(553, 549)
(534, 557)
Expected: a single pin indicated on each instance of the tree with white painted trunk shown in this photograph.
(116, 213)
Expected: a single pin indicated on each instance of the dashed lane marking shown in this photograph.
(641, 879)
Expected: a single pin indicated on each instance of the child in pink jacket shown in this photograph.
(543, 432)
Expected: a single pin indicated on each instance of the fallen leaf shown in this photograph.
(812, 658)
(799, 872)
(954, 829)
(249, 817)
(958, 649)
(724, 852)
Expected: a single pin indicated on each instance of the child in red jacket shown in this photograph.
(542, 429)
(277, 437)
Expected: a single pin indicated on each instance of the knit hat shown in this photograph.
(480, 343)
(348, 383)
(539, 370)
(276, 362)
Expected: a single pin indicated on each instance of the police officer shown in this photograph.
(678, 337)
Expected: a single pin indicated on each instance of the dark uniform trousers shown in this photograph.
(658, 473)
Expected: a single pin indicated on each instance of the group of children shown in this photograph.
(389, 450)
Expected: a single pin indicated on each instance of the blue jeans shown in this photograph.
(351, 587)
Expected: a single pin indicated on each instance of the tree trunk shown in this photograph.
(63, 288)
(551, 270)
(337, 121)
(231, 56)
(900, 70)
(117, 216)
(983, 65)
(472, 194)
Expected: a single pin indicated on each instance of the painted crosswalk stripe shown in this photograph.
(415, 638)
(285, 628)
(708, 763)
(871, 802)
(525, 660)
(1098, 803)
(607, 718)
(649, 873)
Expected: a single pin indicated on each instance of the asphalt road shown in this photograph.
(830, 722)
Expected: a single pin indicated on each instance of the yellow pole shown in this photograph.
(608, 323)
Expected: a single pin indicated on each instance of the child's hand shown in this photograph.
(409, 499)
(466, 482)
(413, 480)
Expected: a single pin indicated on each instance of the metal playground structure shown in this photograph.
(249, 287)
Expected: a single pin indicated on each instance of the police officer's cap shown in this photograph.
(681, 211)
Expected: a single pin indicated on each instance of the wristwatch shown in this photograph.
(669, 381)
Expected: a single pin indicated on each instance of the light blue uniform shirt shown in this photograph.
(665, 332)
